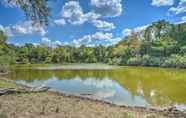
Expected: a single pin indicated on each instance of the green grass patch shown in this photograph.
(4, 84)
(2, 115)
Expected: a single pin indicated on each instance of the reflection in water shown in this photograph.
(105, 89)
(124, 86)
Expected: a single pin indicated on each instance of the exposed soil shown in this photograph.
(56, 105)
(48, 105)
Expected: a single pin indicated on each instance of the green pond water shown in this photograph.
(134, 86)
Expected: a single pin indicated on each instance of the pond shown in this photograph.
(133, 86)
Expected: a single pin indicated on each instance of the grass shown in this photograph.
(72, 66)
(2, 115)
(6, 84)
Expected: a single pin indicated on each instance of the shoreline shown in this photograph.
(171, 111)
(77, 66)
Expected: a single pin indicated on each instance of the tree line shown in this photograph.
(160, 44)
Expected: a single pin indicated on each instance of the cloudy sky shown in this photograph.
(89, 22)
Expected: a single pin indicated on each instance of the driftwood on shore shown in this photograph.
(4, 91)
(4, 73)
(7, 91)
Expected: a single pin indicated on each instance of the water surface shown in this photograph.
(134, 86)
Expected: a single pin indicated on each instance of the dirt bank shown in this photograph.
(53, 105)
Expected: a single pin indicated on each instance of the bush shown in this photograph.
(146, 60)
(5, 61)
(117, 61)
(183, 50)
(134, 61)
(155, 61)
(183, 61)
(174, 60)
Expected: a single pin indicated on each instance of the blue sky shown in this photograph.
(89, 22)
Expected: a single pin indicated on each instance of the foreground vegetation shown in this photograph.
(160, 44)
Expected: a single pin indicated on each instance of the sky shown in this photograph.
(88, 22)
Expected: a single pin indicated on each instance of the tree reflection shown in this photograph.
(157, 86)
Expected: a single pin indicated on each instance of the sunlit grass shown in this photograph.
(4, 84)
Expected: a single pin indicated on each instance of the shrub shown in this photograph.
(5, 61)
(134, 61)
(117, 61)
(175, 61)
(155, 61)
(183, 50)
(146, 60)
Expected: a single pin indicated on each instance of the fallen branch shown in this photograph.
(40, 89)
(6, 91)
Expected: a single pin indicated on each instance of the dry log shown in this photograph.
(4, 91)
(7, 91)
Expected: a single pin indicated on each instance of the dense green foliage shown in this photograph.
(6, 54)
(160, 44)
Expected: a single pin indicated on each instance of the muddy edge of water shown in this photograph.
(170, 111)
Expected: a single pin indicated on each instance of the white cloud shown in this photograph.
(96, 38)
(2, 28)
(99, 38)
(90, 16)
(108, 8)
(181, 8)
(56, 43)
(35, 44)
(49, 43)
(74, 14)
(25, 28)
(60, 22)
(127, 31)
(103, 25)
(45, 41)
(182, 20)
(104, 83)
(114, 41)
(159, 3)
(182, 1)
(140, 28)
